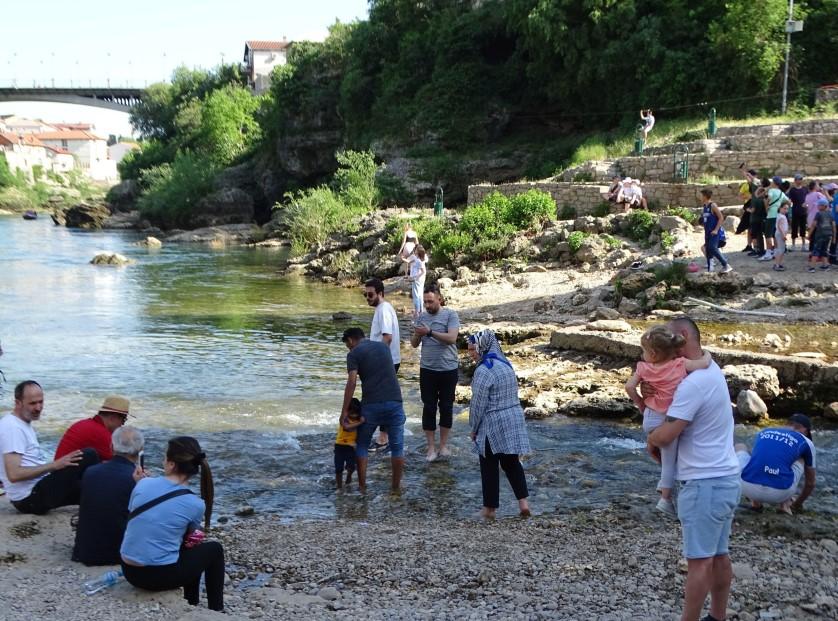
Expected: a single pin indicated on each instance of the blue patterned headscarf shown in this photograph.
(488, 348)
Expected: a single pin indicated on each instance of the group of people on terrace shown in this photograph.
(777, 211)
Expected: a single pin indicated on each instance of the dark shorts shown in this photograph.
(770, 227)
(820, 246)
(344, 458)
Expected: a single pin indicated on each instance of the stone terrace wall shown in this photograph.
(699, 146)
(584, 197)
(725, 164)
(816, 126)
(789, 142)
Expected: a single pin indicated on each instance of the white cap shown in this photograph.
(628, 180)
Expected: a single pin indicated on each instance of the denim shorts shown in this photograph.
(389, 414)
(705, 508)
(820, 246)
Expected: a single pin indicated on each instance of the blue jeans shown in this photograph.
(388, 414)
(711, 249)
(705, 508)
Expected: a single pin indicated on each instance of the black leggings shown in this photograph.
(59, 488)
(437, 390)
(798, 225)
(206, 558)
(490, 477)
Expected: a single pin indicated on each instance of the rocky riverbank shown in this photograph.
(612, 564)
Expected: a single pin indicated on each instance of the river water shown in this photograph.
(214, 343)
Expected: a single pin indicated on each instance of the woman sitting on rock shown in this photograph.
(161, 549)
(497, 422)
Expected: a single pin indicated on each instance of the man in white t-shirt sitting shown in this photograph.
(701, 417)
(385, 328)
(33, 484)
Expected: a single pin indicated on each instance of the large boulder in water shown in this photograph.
(110, 258)
(86, 216)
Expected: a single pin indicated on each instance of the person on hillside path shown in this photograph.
(712, 217)
(436, 331)
(648, 122)
(797, 196)
(381, 402)
(701, 419)
(384, 328)
(822, 233)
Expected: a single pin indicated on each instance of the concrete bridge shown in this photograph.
(119, 99)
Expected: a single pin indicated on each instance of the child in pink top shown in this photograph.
(663, 369)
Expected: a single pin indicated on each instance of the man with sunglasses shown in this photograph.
(384, 328)
(96, 432)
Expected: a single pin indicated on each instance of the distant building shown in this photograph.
(89, 150)
(13, 124)
(119, 150)
(260, 58)
(25, 151)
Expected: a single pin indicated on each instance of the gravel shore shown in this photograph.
(611, 564)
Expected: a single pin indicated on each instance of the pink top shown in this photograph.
(665, 377)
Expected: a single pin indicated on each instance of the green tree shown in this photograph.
(355, 181)
(228, 126)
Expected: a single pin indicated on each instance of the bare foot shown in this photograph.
(488, 514)
(786, 508)
(431, 456)
(524, 507)
(444, 451)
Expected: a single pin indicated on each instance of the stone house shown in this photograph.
(260, 58)
(89, 150)
(25, 152)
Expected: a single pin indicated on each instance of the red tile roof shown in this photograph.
(70, 134)
(11, 138)
(59, 150)
(82, 126)
(267, 45)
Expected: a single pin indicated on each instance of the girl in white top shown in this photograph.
(648, 122)
(780, 231)
(416, 276)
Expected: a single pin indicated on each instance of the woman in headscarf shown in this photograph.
(497, 422)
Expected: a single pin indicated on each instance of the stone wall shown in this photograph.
(725, 164)
(584, 197)
(699, 146)
(816, 126)
(789, 142)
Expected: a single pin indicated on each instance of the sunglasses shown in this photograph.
(368, 294)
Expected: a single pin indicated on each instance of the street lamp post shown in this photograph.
(791, 26)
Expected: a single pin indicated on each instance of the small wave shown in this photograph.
(622, 443)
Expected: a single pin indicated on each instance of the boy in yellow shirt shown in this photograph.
(345, 444)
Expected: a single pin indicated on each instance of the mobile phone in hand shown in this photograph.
(142, 460)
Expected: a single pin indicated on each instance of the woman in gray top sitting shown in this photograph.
(497, 422)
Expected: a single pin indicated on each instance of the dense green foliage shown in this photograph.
(201, 121)
(312, 215)
(6, 177)
(641, 225)
(452, 74)
(19, 193)
(682, 212)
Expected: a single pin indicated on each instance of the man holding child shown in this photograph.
(701, 419)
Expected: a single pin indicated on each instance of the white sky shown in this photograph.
(93, 41)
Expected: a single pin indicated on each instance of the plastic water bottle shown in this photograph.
(107, 579)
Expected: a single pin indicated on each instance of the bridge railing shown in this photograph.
(93, 82)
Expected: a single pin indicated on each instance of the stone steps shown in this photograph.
(726, 164)
(814, 126)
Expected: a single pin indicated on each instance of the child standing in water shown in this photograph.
(663, 369)
(345, 444)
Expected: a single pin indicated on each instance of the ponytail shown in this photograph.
(189, 459)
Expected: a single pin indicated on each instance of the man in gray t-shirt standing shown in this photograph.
(381, 401)
(436, 330)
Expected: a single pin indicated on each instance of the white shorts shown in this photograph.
(763, 493)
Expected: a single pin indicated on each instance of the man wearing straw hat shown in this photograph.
(96, 432)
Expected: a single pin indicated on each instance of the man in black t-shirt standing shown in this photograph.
(797, 194)
(381, 401)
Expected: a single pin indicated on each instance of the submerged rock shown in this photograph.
(110, 258)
